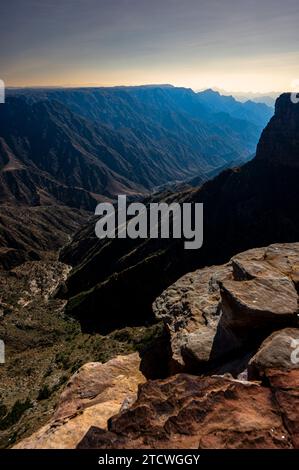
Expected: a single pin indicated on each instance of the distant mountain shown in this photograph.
(114, 282)
(69, 149)
(49, 154)
(266, 98)
(258, 113)
(76, 146)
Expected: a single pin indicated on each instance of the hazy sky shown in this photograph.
(244, 45)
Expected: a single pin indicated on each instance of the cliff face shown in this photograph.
(251, 206)
(279, 143)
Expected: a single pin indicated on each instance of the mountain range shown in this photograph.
(75, 147)
(71, 148)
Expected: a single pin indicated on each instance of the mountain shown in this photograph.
(258, 113)
(76, 146)
(71, 148)
(31, 233)
(114, 282)
(266, 98)
(49, 154)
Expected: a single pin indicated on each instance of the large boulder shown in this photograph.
(93, 394)
(191, 311)
(216, 312)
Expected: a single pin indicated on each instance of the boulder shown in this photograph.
(93, 394)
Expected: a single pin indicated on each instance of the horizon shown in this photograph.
(124, 85)
(248, 47)
(224, 92)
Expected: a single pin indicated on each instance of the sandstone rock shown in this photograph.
(191, 310)
(93, 394)
(258, 303)
(189, 412)
(214, 312)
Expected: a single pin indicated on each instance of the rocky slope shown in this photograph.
(251, 206)
(188, 412)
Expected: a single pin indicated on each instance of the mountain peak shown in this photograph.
(279, 141)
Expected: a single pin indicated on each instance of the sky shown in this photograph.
(244, 45)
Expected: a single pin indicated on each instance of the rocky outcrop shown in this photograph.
(215, 311)
(214, 316)
(189, 412)
(93, 394)
(234, 328)
(191, 311)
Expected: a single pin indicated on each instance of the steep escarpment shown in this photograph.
(250, 206)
